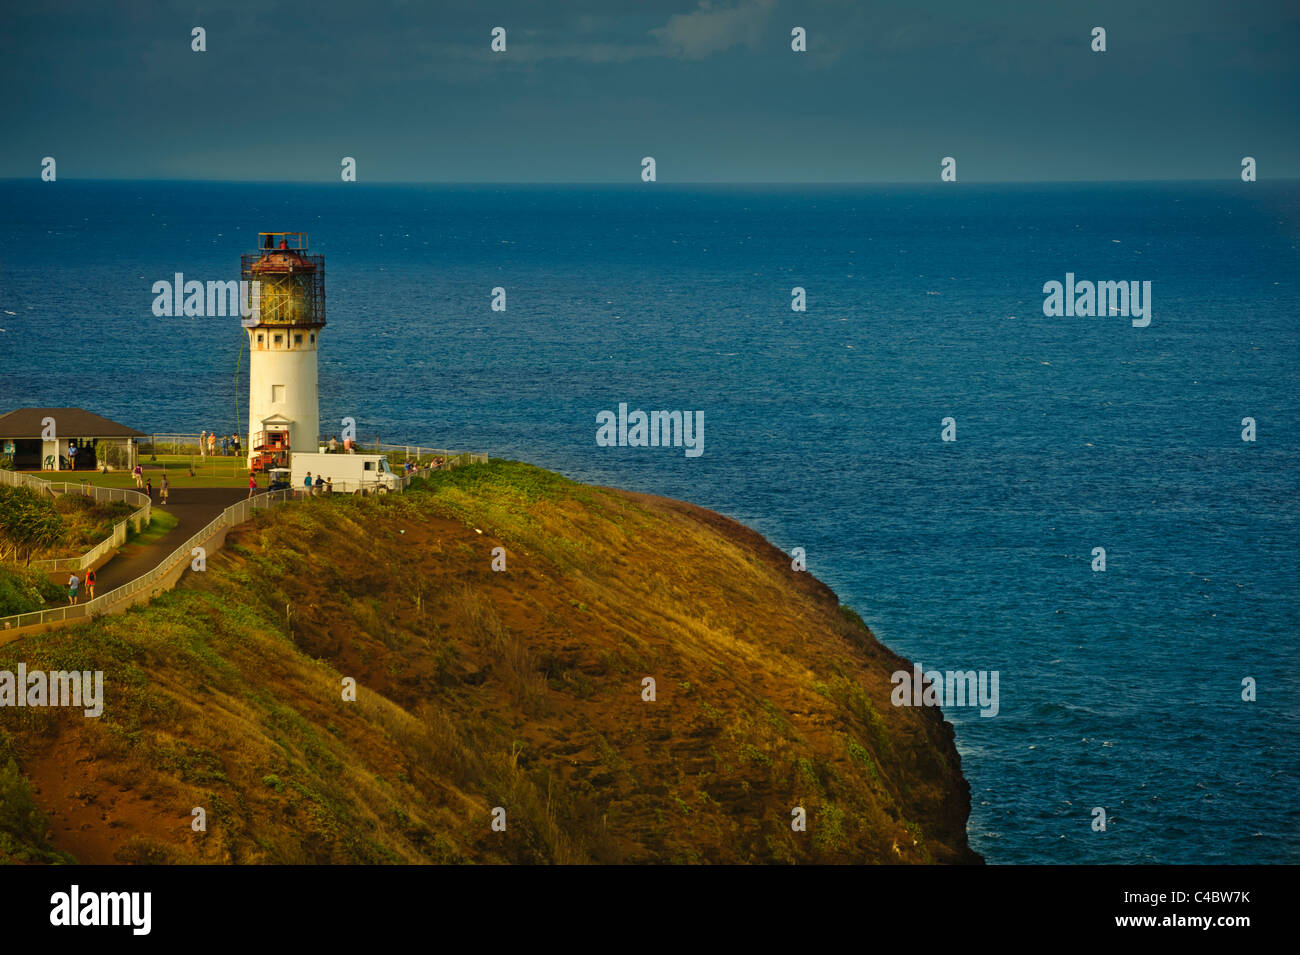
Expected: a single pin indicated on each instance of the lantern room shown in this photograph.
(290, 283)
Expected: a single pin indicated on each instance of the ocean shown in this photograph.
(1119, 690)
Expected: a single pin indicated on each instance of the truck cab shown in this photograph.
(376, 471)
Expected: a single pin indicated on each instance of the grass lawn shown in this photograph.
(161, 523)
(208, 472)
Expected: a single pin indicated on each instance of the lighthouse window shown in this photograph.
(278, 339)
(260, 338)
(313, 339)
(297, 339)
(277, 394)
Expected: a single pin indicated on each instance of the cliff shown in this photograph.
(478, 688)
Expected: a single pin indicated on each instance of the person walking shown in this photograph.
(235, 438)
(203, 443)
(252, 483)
(225, 446)
(73, 584)
(307, 484)
(162, 490)
(334, 445)
(148, 488)
(212, 444)
(138, 473)
(90, 584)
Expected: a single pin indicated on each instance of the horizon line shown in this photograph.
(693, 182)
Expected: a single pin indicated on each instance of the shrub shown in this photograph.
(22, 591)
(24, 829)
(143, 850)
(28, 523)
(114, 455)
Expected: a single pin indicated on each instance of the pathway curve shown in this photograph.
(194, 508)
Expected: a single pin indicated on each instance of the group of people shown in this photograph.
(146, 484)
(319, 485)
(349, 446)
(74, 585)
(210, 444)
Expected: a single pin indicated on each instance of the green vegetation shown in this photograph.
(160, 523)
(24, 830)
(114, 455)
(208, 472)
(86, 523)
(852, 616)
(29, 522)
(477, 688)
(23, 590)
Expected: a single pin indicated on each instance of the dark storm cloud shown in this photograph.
(711, 89)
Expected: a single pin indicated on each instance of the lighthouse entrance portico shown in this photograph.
(270, 446)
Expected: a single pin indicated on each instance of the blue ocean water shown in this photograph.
(1119, 690)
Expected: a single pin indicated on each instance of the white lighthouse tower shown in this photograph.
(284, 330)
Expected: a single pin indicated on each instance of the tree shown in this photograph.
(28, 523)
(114, 455)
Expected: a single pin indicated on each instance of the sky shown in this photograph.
(710, 88)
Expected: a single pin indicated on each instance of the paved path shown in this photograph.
(194, 508)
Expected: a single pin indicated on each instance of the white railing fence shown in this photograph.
(409, 452)
(235, 514)
(160, 443)
(137, 520)
(230, 517)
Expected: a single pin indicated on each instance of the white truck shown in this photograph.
(349, 473)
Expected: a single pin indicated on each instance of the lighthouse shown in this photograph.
(284, 328)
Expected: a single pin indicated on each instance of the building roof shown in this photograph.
(68, 423)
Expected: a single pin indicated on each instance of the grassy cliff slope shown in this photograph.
(476, 689)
